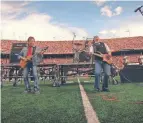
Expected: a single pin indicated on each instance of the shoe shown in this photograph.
(14, 84)
(54, 85)
(27, 90)
(97, 89)
(105, 90)
(57, 85)
(37, 92)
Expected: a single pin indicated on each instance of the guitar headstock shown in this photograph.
(44, 49)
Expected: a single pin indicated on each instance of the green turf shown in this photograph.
(64, 105)
(53, 105)
(124, 109)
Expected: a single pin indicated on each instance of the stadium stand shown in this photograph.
(65, 47)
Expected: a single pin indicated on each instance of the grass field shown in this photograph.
(119, 105)
(53, 105)
(64, 105)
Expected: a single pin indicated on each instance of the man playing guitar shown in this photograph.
(102, 56)
(32, 56)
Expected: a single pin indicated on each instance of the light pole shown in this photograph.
(128, 32)
(54, 38)
(25, 36)
(74, 35)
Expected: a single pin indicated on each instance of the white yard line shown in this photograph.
(88, 109)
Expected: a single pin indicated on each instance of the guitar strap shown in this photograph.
(34, 49)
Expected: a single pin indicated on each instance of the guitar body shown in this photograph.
(106, 57)
(23, 63)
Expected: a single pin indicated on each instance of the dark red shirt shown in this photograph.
(29, 52)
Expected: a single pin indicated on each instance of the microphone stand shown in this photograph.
(73, 39)
(72, 44)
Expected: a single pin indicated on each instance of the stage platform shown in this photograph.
(62, 69)
(17, 65)
(74, 69)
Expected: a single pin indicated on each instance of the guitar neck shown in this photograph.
(44, 49)
(99, 55)
(82, 50)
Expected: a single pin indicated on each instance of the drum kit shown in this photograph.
(81, 55)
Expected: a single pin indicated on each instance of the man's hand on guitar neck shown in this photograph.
(26, 59)
(23, 58)
(42, 51)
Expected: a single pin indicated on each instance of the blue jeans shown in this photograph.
(99, 65)
(35, 76)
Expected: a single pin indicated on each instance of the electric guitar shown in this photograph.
(25, 60)
(106, 57)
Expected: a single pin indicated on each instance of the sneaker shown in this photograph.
(57, 85)
(37, 92)
(97, 89)
(54, 85)
(105, 90)
(26, 92)
(14, 84)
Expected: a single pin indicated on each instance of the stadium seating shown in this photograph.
(65, 47)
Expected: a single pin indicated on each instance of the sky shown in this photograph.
(60, 20)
